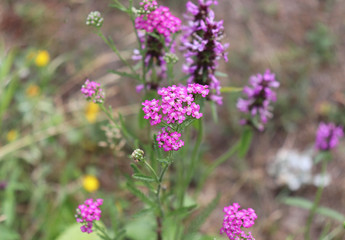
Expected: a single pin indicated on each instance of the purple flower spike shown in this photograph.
(87, 213)
(93, 91)
(202, 46)
(327, 136)
(259, 95)
(235, 219)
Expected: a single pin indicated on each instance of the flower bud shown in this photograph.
(138, 155)
(94, 19)
(170, 58)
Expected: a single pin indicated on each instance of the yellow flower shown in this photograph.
(92, 110)
(42, 58)
(32, 90)
(90, 183)
(12, 135)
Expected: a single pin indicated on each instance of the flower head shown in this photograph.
(12, 135)
(258, 98)
(87, 213)
(32, 90)
(93, 91)
(42, 58)
(235, 219)
(201, 42)
(160, 20)
(94, 19)
(176, 105)
(91, 112)
(169, 140)
(90, 183)
(155, 27)
(327, 136)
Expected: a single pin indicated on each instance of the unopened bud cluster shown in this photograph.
(146, 7)
(94, 19)
(170, 58)
(138, 155)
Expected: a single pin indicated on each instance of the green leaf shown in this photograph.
(140, 195)
(214, 111)
(135, 168)
(221, 74)
(245, 142)
(141, 228)
(323, 156)
(141, 177)
(74, 232)
(182, 210)
(123, 74)
(202, 216)
(306, 204)
(230, 89)
(8, 234)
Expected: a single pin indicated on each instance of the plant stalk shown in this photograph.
(315, 203)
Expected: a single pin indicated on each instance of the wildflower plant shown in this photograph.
(172, 112)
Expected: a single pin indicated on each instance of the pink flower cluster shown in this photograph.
(234, 219)
(87, 213)
(93, 91)
(169, 140)
(177, 103)
(160, 20)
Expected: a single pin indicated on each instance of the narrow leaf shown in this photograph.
(246, 140)
(141, 177)
(230, 89)
(202, 216)
(306, 204)
(140, 195)
(182, 210)
(123, 74)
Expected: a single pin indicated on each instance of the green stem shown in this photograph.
(316, 203)
(116, 51)
(151, 170)
(122, 128)
(191, 169)
(104, 234)
(161, 212)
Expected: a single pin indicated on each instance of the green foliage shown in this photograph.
(73, 232)
(306, 204)
(322, 42)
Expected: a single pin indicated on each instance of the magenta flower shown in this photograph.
(202, 46)
(93, 91)
(87, 213)
(160, 20)
(176, 104)
(235, 219)
(327, 136)
(169, 140)
(259, 96)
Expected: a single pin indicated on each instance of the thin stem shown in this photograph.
(161, 212)
(191, 169)
(113, 47)
(105, 235)
(316, 203)
(110, 116)
(152, 170)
